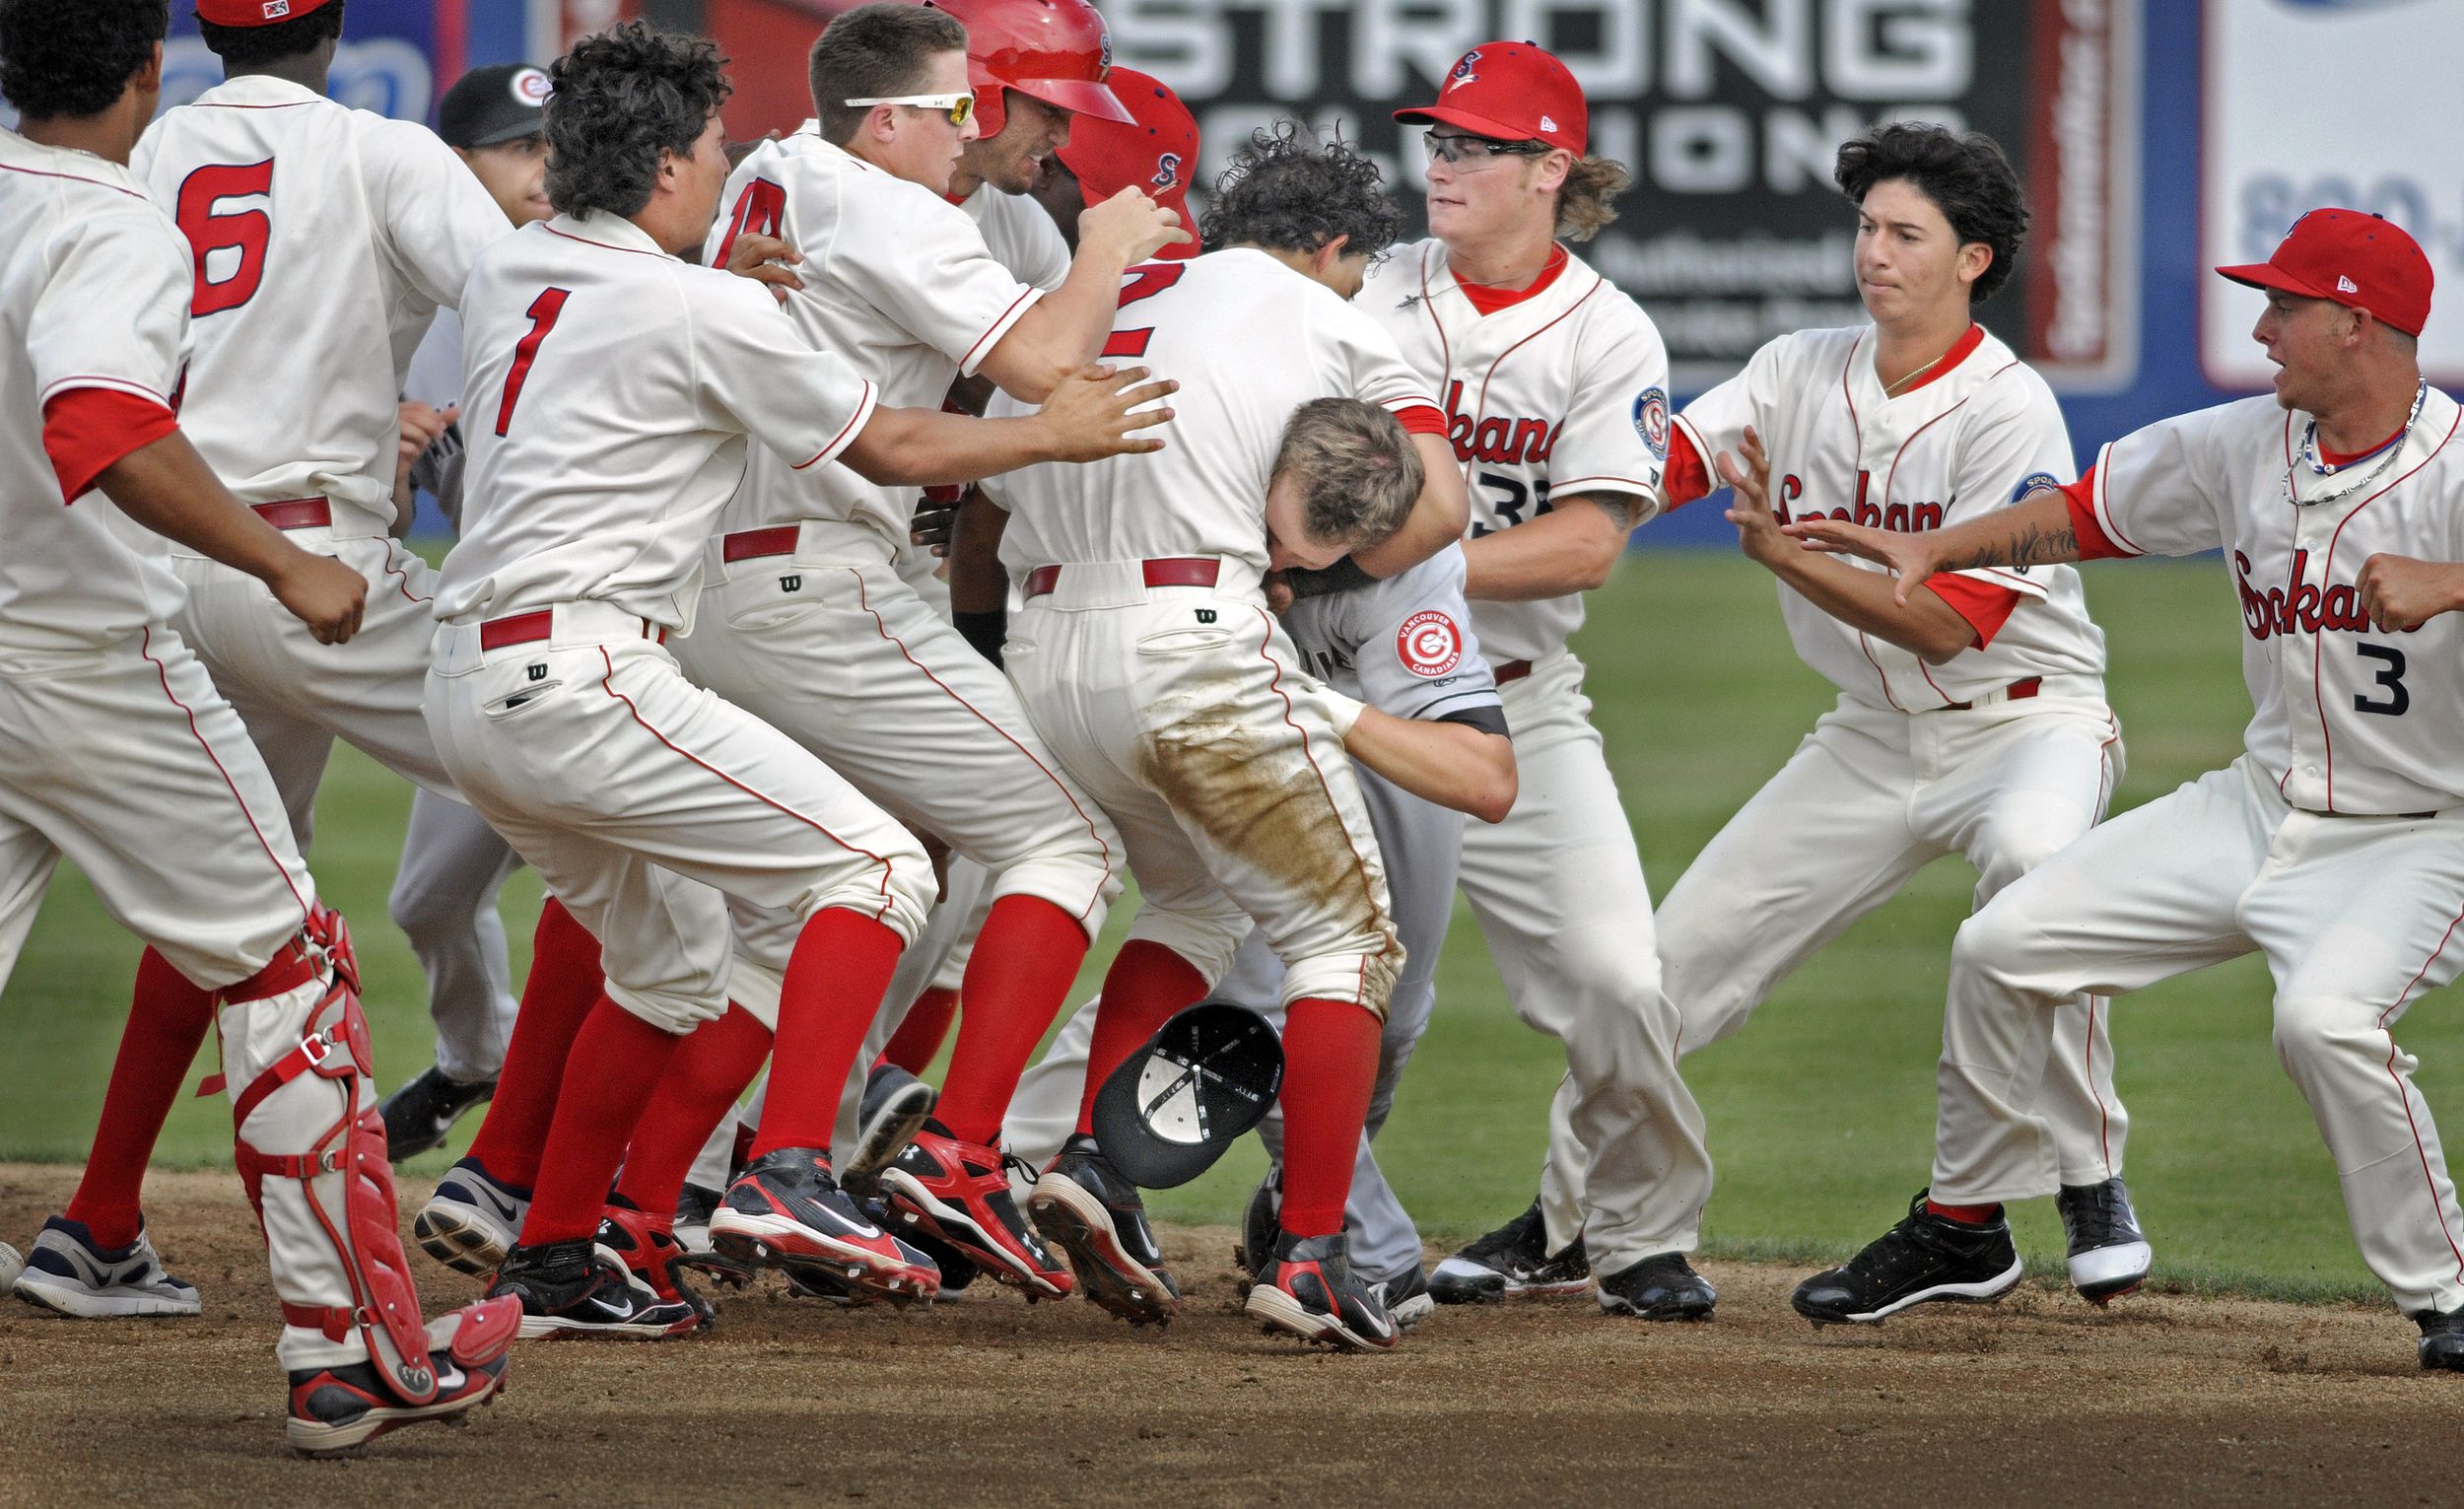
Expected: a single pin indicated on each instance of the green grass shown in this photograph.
(1821, 1113)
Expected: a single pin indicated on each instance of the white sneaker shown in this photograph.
(472, 1221)
(66, 1272)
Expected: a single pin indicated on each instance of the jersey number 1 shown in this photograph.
(542, 311)
(1144, 283)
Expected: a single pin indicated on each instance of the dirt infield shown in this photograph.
(984, 1399)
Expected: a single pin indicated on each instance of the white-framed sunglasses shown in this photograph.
(956, 107)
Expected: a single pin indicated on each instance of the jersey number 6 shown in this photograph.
(246, 232)
(542, 311)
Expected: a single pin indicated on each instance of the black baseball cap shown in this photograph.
(487, 107)
(1171, 1109)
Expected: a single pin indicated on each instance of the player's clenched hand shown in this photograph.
(1089, 415)
(2399, 592)
(1757, 531)
(322, 594)
(766, 259)
(1129, 226)
(1909, 555)
(935, 518)
(422, 427)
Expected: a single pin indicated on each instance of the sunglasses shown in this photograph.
(1474, 150)
(958, 108)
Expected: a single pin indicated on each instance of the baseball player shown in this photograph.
(362, 226)
(1971, 720)
(2330, 844)
(116, 751)
(453, 864)
(1149, 660)
(619, 390)
(806, 624)
(1555, 388)
(1404, 647)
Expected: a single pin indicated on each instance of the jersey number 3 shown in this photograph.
(243, 230)
(1144, 283)
(542, 311)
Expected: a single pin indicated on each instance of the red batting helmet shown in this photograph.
(1056, 50)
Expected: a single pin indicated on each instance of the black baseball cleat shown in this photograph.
(695, 1205)
(1405, 1298)
(651, 1253)
(786, 1211)
(893, 1109)
(577, 1288)
(1259, 1228)
(1309, 1291)
(959, 1193)
(1924, 1258)
(1086, 1208)
(2109, 1254)
(337, 1409)
(419, 1115)
(1512, 1262)
(1661, 1287)
(2442, 1339)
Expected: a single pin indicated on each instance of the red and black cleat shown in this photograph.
(959, 1194)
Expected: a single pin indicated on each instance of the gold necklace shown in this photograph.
(1892, 389)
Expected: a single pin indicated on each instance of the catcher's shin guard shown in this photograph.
(311, 1152)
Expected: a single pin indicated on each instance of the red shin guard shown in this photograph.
(1330, 1069)
(920, 1032)
(709, 1070)
(835, 980)
(1146, 985)
(1016, 981)
(562, 986)
(168, 1020)
(618, 1059)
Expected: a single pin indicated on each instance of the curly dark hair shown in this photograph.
(615, 102)
(244, 48)
(1287, 192)
(64, 59)
(1966, 177)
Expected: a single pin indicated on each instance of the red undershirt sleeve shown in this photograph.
(87, 429)
(2094, 543)
(1422, 419)
(1684, 478)
(1985, 606)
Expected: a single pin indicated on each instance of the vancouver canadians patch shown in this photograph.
(1651, 420)
(1429, 643)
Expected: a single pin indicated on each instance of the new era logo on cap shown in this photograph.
(2345, 284)
(275, 10)
(1548, 124)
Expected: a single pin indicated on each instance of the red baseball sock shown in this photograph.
(1146, 985)
(617, 1061)
(168, 1020)
(1329, 1066)
(1965, 1215)
(919, 1037)
(835, 980)
(1016, 981)
(704, 1077)
(564, 985)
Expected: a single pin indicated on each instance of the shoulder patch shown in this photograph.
(1429, 643)
(1651, 420)
(2033, 483)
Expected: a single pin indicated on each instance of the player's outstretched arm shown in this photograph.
(167, 487)
(1454, 765)
(2400, 593)
(1096, 412)
(1067, 327)
(1438, 515)
(2036, 533)
(1921, 623)
(1571, 548)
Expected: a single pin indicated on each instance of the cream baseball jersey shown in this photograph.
(1980, 434)
(611, 393)
(94, 294)
(2344, 717)
(897, 280)
(323, 238)
(1566, 391)
(1402, 645)
(1249, 340)
(1021, 236)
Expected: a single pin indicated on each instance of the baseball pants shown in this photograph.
(623, 784)
(445, 899)
(2358, 917)
(1421, 842)
(1870, 797)
(1559, 891)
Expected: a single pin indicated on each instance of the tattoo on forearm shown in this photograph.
(1617, 506)
(2034, 545)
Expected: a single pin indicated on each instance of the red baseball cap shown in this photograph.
(2360, 262)
(1157, 151)
(1510, 92)
(254, 13)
